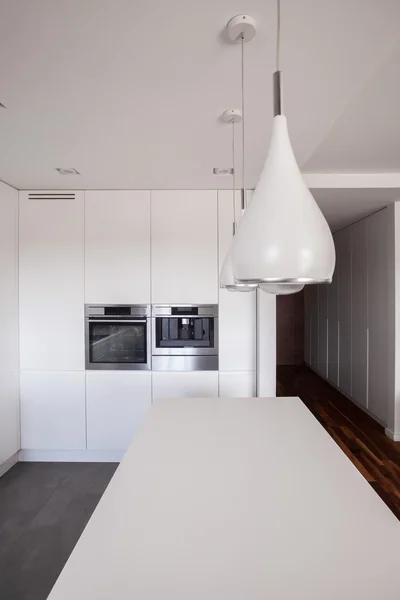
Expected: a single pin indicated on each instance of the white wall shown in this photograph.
(266, 345)
(9, 376)
(393, 424)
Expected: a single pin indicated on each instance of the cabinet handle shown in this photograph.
(117, 321)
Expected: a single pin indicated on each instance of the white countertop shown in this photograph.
(235, 499)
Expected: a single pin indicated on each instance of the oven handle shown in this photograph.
(117, 320)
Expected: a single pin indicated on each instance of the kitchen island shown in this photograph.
(235, 499)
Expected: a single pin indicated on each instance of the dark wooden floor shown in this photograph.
(359, 436)
(44, 508)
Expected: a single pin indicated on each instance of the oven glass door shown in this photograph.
(113, 342)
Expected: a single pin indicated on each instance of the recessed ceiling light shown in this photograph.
(217, 171)
(70, 171)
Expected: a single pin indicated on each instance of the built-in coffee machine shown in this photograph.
(185, 338)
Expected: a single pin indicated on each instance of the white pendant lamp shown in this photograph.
(281, 289)
(226, 279)
(283, 237)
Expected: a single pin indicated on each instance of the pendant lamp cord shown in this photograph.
(278, 35)
(233, 177)
(244, 205)
(277, 76)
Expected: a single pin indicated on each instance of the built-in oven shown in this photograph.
(118, 337)
(185, 337)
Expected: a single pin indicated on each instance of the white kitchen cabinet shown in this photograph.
(225, 224)
(266, 344)
(181, 384)
(333, 328)
(359, 312)
(378, 314)
(53, 410)
(308, 297)
(237, 384)
(343, 256)
(117, 247)
(117, 403)
(323, 329)
(314, 321)
(184, 247)
(237, 310)
(51, 281)
(237, 331)
(359, 309)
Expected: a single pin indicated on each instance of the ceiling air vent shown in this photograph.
(69, 171)
(51, 195)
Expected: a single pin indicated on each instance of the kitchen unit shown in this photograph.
(111, 251)
(51, 281)
(185, 338)
(185, 384)
(237, 319)
(53, 410)
(184, 247)
(118, 337)
(117, 403)
(117, 247)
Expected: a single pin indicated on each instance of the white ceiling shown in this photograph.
(366, 137)
(344, 206)
(129, 92)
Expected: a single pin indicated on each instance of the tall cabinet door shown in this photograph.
(378, 314)
(359, 312)
(237, 310)
(343, 256)
(333, 327)
(184, 247)
(53, 415)
(117, 403)
(323, 329)
(51, 281)
(307, 323)
(117, 247)
(314, 322)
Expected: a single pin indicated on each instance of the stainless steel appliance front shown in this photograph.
(118, 337)
(185, 337)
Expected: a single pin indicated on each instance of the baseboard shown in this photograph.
(392, 435)
(10, 462)
(363, 408)
(71, 455)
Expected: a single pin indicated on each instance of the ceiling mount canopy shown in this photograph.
(241, 27)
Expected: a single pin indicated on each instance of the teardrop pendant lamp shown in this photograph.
(283, 239)
(226, 279)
